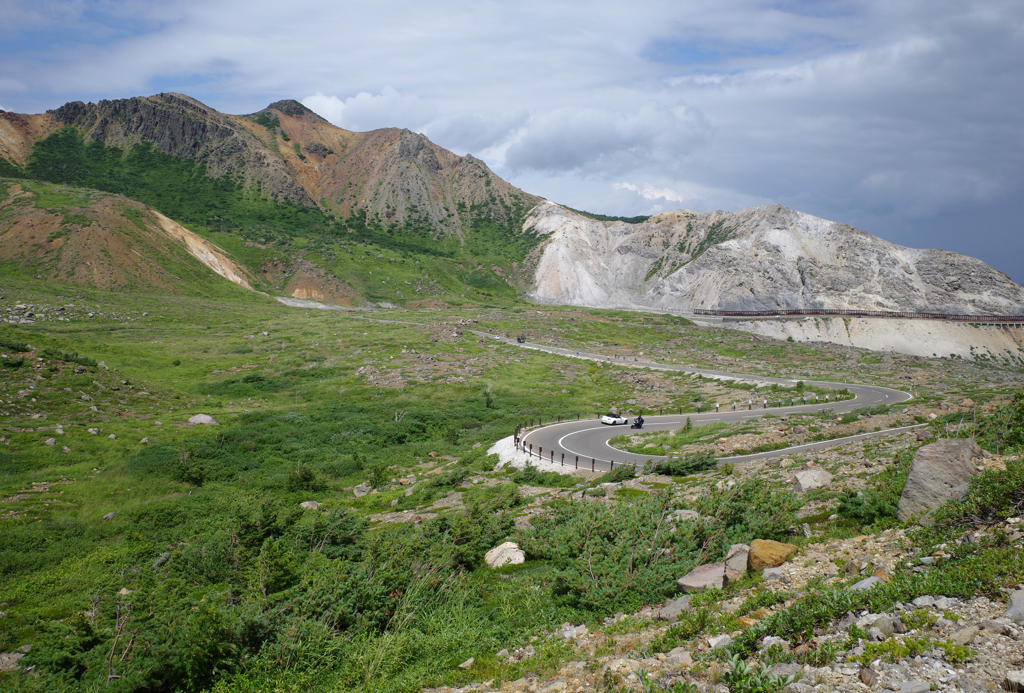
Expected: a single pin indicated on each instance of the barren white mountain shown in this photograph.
(762, 258)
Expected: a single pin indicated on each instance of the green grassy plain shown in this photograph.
(176, 557)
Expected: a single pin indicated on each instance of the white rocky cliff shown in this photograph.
(762, 258)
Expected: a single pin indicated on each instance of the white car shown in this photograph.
(613, 419)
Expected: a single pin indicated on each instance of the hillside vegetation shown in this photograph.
(296, 192)
(140, 552)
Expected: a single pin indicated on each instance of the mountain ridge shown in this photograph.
(761, 258)
(286, 152)
(284, 178)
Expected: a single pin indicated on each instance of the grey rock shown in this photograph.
(9, 660)
(202, 419)
(112, 436)
(784, 669)
(868, 677)
(717, 642)
(309, 505)
(1014, 681)
(508, 553)
(678, 658)
(964, 635)
(995, 627)
(798, 688)
(938, 471)
(924, 601)
(846, 621)
(867, 583)
(915, 687)
(770, 640)
(811, 479)
(502, 654)
(703, 577)
(1016, 611)
(773, 574)
(109, 516)
(685, 515)
(670, 612)
(468, 664)
(573, 632)
(50, 441)
(736, 561)
(886, 625)
(362, 490)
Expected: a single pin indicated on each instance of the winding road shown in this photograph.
(588, 440)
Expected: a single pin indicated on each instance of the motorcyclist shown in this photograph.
(639, 421)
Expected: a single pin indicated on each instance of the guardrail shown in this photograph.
(824, 312)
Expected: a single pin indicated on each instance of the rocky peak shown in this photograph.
(293, 108)
(761, 258)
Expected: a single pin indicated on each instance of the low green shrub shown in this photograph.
(69, 358)
(686, 465)
(531, 476)
(878, 503)
(747, 678)
(992, 497)
(13, 346)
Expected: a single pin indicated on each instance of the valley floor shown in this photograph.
(236, 495)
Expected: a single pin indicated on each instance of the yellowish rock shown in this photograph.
(765, 553)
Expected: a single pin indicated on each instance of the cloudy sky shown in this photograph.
(905, 119)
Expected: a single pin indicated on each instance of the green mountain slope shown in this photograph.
(455, 227)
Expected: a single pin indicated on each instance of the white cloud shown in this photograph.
(896, 116)
(366, 111)
(607, 141)
(690, 195)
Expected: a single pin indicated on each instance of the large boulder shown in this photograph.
(671, 611)
(736, 561)
(508, 553)
(940, 471)
(1016, 611)
(765, 553)
(202, 419)
(704, 577)
(811, 479)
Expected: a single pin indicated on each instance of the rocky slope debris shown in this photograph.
(104, 241)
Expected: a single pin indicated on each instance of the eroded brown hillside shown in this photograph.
(89, 238)
(289, 153)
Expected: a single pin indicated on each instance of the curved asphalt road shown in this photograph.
(589, 439)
